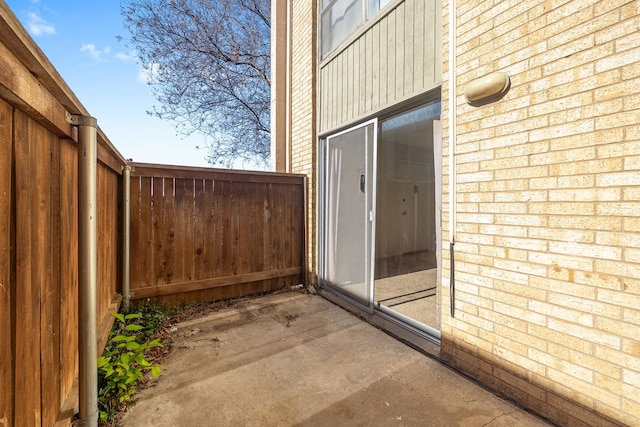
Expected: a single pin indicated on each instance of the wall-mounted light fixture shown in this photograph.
(487, 89)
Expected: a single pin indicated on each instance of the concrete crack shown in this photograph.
(496, 417)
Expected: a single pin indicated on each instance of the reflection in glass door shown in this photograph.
(406, 223)
(348, 215)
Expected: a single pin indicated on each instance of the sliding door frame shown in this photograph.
(371, 153)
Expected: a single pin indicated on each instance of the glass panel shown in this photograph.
(405, 264)
(375, 6)
(348, 203)
(339, 21)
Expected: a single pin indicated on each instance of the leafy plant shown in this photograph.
(153, 315)
(123, 364)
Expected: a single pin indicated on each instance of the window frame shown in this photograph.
(367, 20)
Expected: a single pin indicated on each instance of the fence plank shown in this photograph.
(189, 232)
(288, 226)
(69, 265)
(210, 235)
(297, 245)
(266, 222)
(180, 232)
(217, 227)
(6, 291)
(135, 225)
(107, 226)
(102, 233)
(244, 231)
(157, 235)
(231, 232)
(168, 254)
(260, 208)
(278, 245)
(27, 336)
(46, 178)
(199, 267)
(146, 235)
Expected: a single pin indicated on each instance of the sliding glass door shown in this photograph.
(381, 215)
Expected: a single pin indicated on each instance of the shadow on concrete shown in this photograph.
(298, 360)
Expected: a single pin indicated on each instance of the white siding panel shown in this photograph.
(324, 98)
(355, 92)
(375, 69)
(400, 54)
(432, 57)
(391, 63)
(342, 87)
(384, 60)
(368, 75)
(419, 44)
(362, 77)
(338, 83)
(409, 37)
(396, 58)
(349, 76)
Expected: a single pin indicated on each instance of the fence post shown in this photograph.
(87, 269)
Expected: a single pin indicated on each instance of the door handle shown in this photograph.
(362, 182)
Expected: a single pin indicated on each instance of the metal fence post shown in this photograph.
(126, 240)
(87, 269)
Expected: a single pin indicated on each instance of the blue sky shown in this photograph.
(79, 38)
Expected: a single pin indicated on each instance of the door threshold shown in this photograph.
(410, 335)
(408, 322)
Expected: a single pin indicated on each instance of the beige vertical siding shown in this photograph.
(395, 57)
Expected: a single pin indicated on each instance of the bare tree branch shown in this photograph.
(209, 68)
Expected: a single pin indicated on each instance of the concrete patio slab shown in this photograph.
(299, 360)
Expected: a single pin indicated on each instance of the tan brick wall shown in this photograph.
(303, 137)
(548, 207)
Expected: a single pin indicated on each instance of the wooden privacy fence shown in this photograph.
(207, 234)
(39, 235)
(197, 234)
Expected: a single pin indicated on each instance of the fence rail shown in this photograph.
(205, 234)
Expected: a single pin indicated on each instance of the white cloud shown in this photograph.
(123, 56)
(148, 73)
(95, 53)
(38, 26)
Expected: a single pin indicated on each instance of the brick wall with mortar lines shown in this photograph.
(547, 258)
(303, 119)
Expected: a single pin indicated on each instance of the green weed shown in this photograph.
(123, 363)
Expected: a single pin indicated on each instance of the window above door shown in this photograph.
(341, 18)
